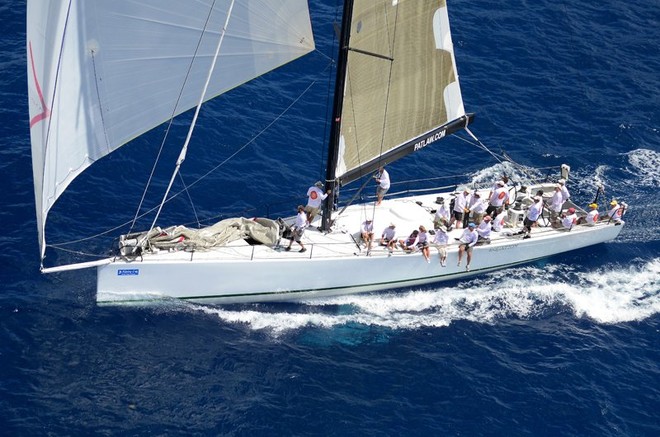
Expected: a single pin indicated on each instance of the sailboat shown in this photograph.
(101, 73)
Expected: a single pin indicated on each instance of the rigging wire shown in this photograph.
(192, 204)
(184, 149)
(171, 121)
(328, 99)
(329, 95)
(499, 157)
(196, 181)
(253, 139)
(384, 123)
(387, 99)
(357, 149)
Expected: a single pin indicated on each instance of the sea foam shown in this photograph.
(645, 165)
(608, 295)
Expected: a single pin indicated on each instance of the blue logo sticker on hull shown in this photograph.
(128, 272)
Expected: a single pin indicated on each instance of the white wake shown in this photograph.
(609, 295)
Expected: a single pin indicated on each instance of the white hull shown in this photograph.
(332, 265)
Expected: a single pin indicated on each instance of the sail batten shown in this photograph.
(102, 73)
(389, 106)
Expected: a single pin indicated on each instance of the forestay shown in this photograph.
(101, 73)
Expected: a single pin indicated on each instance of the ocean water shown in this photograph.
(565, 346)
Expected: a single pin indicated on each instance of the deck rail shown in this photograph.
(343, 249)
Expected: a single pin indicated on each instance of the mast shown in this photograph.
(335, 131)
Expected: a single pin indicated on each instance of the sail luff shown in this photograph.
(46, 25)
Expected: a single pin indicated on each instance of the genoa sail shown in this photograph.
(401, 90)
(101, 73)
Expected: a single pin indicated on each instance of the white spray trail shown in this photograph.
(609, 295)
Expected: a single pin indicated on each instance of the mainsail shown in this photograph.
(101, 73)
(401, 89)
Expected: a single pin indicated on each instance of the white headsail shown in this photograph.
(101, 73)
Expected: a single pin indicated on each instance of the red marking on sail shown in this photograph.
(45, 113)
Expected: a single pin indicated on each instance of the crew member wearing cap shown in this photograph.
(498, 223)
(616, 212)
(298, 229)
(592, 216)
(555, 207)
(498, 198)
(315, 197)
(473, 198)
(466, 243)
(460, 205)
(383, 181)
(441, 216)
(478, 208)
(569, 220)
(483, 229)
(440, 240)
(502, 182)
(533, 214)
(564, 191)
(388, 237)
(367, 233)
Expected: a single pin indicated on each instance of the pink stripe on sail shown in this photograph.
(46, 112)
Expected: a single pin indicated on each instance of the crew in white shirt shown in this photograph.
(498, 198)
(298, 229)
(616, 212)
(315, 197)
(440, 240)
(460, 205)
(388, 237)
(564, 191)
(592, 216)
(555, 207)
(569, 220)
(441, 216)
(466, 243)
(484, 229)
(498, 223)
(478, 208)
(367, 233)
(383, 181)
(422, 243)
(533, 214)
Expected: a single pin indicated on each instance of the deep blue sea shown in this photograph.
(569, 346)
